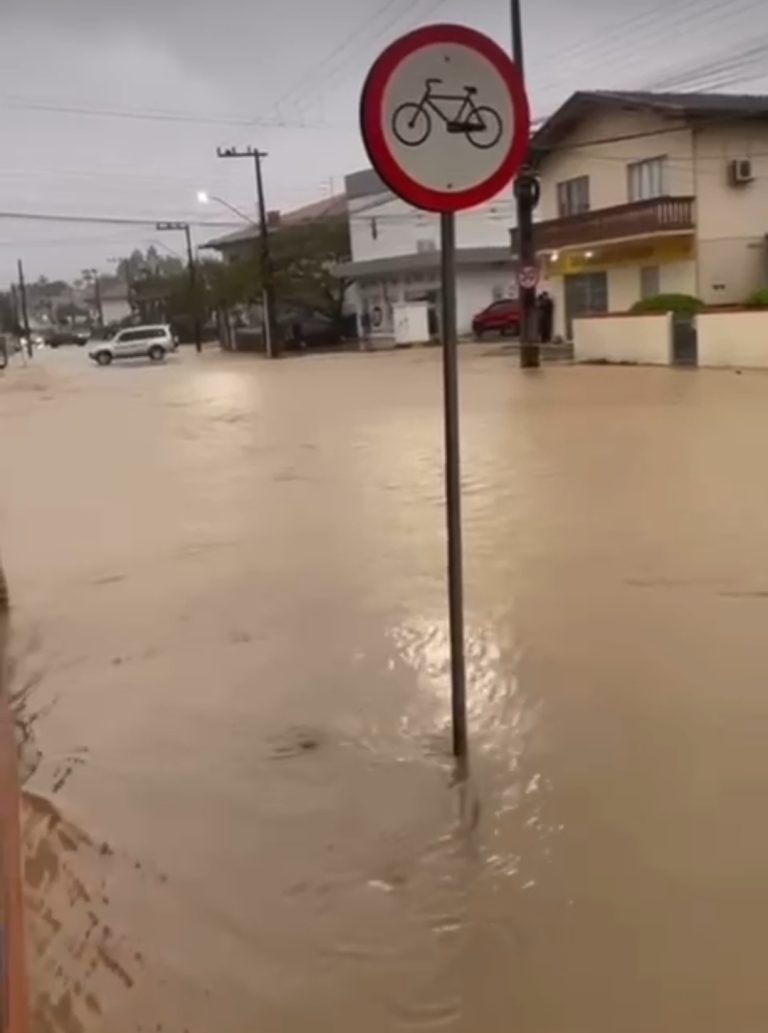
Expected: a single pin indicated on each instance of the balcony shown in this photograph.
(639, 219)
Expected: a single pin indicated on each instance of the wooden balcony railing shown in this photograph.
(641, 218)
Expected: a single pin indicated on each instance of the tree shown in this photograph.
(7, 312)
(140, 264)
(303, 258)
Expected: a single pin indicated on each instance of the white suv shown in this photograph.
(134, 342)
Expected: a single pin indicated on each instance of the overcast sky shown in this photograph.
(283, 74)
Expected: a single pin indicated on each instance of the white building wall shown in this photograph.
(383, 226)
(731, 220)
(733, 338)
(556, 288)
(643, 339)
(476, 289)
(606, 164)
(623, 287)
(115, 310)
(678, 278)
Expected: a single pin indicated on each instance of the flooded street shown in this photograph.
(230, 653)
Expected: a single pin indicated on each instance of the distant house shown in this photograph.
(396, 256)
(115, 301)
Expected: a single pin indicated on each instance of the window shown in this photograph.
(497, 293)
(573, 196)
(646, 179)
(426, 244)
(374, 229)
(649, 281)
(127, 336)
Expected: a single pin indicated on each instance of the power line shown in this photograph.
(30, 104)
(332, 76)
(731, 61)
(107, 220)
(361, 29)
(656, 30)
(64, 241)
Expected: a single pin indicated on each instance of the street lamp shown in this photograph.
(205, 198)
(161, 226)
(267, 294)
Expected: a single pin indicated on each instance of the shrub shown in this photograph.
(758, 299)
(684, 304)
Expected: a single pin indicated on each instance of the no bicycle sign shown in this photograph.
(445, 121)
(444, 118)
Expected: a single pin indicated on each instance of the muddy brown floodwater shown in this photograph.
(231, 675)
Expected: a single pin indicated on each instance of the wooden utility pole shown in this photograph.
(527, 195)
(267, 269)
(192, 273)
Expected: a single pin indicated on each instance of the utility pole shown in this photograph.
(267, 269)
(92, 276)
(23, 298)
(192, 268)
(527, 194)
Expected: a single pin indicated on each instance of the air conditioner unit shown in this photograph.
(740, 171)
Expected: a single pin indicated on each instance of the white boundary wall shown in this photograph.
(622, 338)
(733, 338)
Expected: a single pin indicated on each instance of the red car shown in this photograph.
(501, 317)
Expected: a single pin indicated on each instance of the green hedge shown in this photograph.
(684, 304)
(758, 299)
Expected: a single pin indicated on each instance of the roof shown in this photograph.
(420, 261)
(319, 211)
(365, 183)
(686, 106)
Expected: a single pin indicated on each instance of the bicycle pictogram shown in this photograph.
(412, 122)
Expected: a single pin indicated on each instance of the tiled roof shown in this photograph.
(330, 208)
(686, 106)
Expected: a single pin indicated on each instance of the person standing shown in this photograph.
(546, 313)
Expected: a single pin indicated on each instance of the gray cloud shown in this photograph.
(235, 60)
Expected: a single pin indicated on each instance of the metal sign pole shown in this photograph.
(453, 487)
(447, 170)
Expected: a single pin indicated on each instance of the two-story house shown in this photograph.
(396, 255)
(647, 193)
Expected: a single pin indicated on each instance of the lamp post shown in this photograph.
(205, 198)
(192, 267)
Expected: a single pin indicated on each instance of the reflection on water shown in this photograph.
(231, 679)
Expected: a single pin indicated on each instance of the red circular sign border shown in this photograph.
(381, 156)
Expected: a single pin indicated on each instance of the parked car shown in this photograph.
(153, 342)
(56, 338)
(501, 317)
(308, 331)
